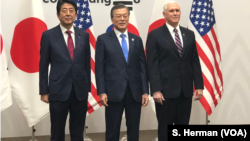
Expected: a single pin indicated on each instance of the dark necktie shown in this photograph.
(124, 46)
(178, 41)
(70, 44)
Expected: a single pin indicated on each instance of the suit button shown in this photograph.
(126, 78)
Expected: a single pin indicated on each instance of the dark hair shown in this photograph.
(61, 2)
(118, 6)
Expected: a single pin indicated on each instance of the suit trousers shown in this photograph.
(58, 115)
(174, 110)
(113, 116)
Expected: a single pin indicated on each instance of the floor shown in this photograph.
(148, 135)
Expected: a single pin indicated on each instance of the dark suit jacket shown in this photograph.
(168, 72)
(112, 70)
(64, 71)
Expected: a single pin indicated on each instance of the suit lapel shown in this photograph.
(170, 38)
(131, 44)
(184, 40)
(77, 41)
(117, 44)
(59, 36)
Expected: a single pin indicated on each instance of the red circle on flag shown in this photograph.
(1, 43)
(156, 24)
(132, 29)
(25, 48)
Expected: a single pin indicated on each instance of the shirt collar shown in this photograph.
(65, 29)
(171, 28)
(118, 33)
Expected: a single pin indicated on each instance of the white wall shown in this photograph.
(232, 19)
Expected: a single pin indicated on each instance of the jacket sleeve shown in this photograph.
(153, 63)
(143, 69)
(43, 65)
(100, 66)
(88, 63)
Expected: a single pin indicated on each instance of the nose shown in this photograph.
(122, 18)
(68, 12)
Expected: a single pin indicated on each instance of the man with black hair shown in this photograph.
(66, 48)
(121, 76)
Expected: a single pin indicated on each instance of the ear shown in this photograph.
(163, 13)
(112, 20)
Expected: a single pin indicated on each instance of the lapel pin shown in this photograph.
(132, 39)
(183, 34)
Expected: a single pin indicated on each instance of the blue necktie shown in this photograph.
(124, 46)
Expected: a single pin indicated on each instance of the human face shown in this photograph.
(172, 14)
(67, 15)
(120, 19)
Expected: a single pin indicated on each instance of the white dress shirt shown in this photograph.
(65, 35)
(171, 30)
(118, 33)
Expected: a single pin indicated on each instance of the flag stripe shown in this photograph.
(217, 59)
(206, 105)
(90, 109)
(209, 88)
(218, 51)
(91, 38)
(216, 69)
(207, 62)
(94, 93)
(216, 41)
(92, 62)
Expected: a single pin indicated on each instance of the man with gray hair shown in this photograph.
(173, 67)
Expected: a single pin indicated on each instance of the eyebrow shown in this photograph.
(68, 8)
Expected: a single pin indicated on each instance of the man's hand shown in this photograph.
(144, 100)
(198, 94)
(104, 99)
(158, 97)
(45, 98)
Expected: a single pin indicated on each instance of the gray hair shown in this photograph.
(165, 7)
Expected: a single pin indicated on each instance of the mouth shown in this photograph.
(122, 24)
(67, 19)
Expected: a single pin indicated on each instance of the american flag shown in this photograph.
(84, 22)
(202, 22)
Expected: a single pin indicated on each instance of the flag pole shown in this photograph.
(33, 134)
(207, 121)
(85, 135)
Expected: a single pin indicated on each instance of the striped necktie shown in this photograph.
(178, 42)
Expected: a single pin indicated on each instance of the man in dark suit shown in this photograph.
(67, 49)
(121, 76)
(173, 66)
